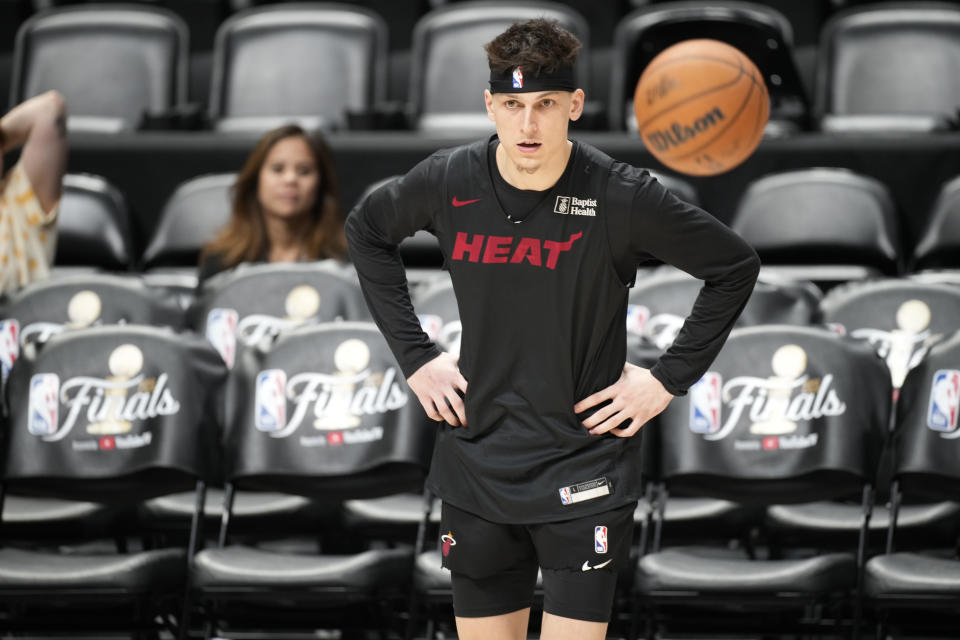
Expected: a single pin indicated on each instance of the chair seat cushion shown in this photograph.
(242, 566)
(835, 516)
(685, 570)
(911, 574)
(155, 571)
(247, 505)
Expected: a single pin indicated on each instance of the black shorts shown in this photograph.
(494, 566)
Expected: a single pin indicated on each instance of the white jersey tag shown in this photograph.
(585, 491)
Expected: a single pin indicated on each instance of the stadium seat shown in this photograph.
(939, 244)
(190, 218)
(890, 67)
(792, 414)
(680, 187)
(142, 50)
(253, 304)
(113, 415)
(93, 226)
(901, 319)
(325, 414)
(824, 225)
(448, 69)
(332, 57)
(762, 33)
(916, 589)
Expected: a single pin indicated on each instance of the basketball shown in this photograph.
(701, 107)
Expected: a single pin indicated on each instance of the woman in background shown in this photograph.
(286, 206)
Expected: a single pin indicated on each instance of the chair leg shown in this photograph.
(183, 632)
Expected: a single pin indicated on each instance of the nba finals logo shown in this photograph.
(446, 336)
(944, 403)
(336, 400)
(83, 310)
(773, 405)
(518, 78)
(301, 307)
(9, 346)
(110, 405)
(904, 347)
(221, 332)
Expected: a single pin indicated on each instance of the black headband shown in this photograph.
(521, 80)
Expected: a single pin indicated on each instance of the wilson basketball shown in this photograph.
(701, 107)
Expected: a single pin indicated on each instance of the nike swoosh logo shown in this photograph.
(586, 565)
(460, 203)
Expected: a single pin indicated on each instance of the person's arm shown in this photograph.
(685, 236)
(39, 125)
(664, 227)
(374, 230)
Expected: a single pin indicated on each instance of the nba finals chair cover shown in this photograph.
(824, 225)
(448, 67)
(661, 300)
(255, 303)
(325, 413)
(113, 415)
(333, 59)
(762, 33)
(912, 586)
(249, 306)
(889, 67)
(785, 414)
(141, 50)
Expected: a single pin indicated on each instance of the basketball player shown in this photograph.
(536, 461)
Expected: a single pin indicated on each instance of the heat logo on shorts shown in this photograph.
(600, 539)
(448, 541)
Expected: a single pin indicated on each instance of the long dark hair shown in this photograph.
(244, 238)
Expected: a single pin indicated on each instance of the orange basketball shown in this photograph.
(701, 107)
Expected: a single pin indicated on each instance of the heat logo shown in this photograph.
(504, 249)
(944, 402)
(600, 539)
(448, 543)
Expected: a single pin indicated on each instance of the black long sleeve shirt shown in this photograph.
(543, 305)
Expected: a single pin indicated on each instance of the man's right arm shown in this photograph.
(374, 230)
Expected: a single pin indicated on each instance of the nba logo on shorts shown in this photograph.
(565, 495)
(222, 333)
(9, 345)
(271, 402)
(44, 404)
(517, 78)
(944, 400)
(600, 539)
(705, 403)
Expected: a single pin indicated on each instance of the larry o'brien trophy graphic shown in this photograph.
(789, 363)
(904, 347)
(125, 363)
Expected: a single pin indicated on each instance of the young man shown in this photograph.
(536, 461)
(30, 192)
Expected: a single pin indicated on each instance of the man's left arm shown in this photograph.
(671, 230)
(39, 125)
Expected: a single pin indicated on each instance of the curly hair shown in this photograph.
(541, 45)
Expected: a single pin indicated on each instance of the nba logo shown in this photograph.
(565, 495)
(517, 78)
(944, 400)
(431, 325)
(271, 400)
(222, 333)
(44, 405)
(9, 346)
(600, 539)
(705, 403)
(637, 316)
